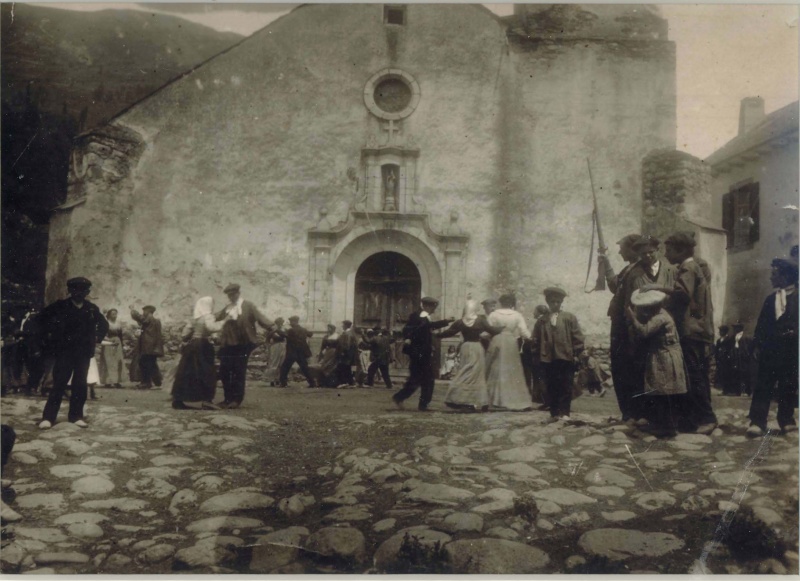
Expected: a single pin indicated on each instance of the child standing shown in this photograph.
(665, 373)
(557, 343)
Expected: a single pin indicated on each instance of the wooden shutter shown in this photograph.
(727, 216)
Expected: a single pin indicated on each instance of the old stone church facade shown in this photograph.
(347, 159)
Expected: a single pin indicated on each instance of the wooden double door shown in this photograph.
(388, 290)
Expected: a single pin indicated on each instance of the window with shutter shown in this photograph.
(740, 216)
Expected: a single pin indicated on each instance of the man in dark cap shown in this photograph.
(418, 345)
(297, 351)
(690, 305)
(649, 270)
(237, 340)
(776, 348)
(380, 356)
(740, 361)
(151, 346)
(722, 359)
(557, 342)
(72, 327)
(623, 366)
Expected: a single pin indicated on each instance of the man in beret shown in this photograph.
(691, 307)
(237, 340)
(297, 351)
(418, 340)
(557, 342)
(151, 346)
(776, 348)
(623, 367)
(71, 327)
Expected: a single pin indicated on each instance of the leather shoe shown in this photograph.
(223, 405)
(234, 405)
(207, 405)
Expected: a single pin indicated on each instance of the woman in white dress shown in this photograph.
(505, 379)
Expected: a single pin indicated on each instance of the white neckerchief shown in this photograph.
(780, 300)
(654, 268)
(235, 309)
(739, 336)
(554, 318)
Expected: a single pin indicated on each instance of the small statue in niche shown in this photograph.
(390, 192)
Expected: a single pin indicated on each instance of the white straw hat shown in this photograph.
(647, 299)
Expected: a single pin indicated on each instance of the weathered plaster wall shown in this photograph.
(609, 101)
(243, 152)
(776, 172)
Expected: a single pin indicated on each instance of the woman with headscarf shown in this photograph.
(196, 374)
(277, 351)
(505, 379)
(110, 363)
(468, 387)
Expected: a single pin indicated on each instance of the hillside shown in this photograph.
(64, 72)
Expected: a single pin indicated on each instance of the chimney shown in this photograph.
(751, 113)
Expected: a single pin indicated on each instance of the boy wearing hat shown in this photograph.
(297, 351)
(775, 342)
(72, 327)
(557, 343)
(151, 346)
(237, 341)
(418, 339)
(691, 308)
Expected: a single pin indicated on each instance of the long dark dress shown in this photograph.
(277, 353)
(468, 386)
(196, 376)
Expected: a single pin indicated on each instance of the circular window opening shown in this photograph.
(392, 95)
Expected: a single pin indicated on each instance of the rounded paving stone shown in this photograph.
(340, 543)
(621, 544)
(91, 485)
(489, 556)
(85, 530)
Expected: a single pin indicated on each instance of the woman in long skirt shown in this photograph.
(327, 357)
(196, 374)
(504, 376)
(468, 387)
(110, 363)
(277, 352)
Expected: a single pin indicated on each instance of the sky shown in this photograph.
(724, 53)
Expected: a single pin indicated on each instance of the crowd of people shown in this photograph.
(661, 348)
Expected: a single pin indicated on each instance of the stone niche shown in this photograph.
(390, 179)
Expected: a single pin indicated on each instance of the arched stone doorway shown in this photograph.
(388, 288)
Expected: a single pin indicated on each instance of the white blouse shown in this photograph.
(512, 321)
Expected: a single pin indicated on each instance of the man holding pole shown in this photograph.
(621, 348)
